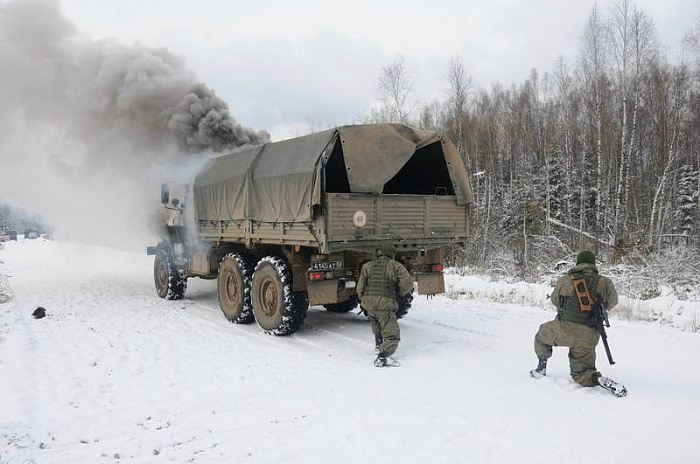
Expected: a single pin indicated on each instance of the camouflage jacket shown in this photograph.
(395, 280)
(565, 299)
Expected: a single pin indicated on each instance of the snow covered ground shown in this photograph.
(115, 374)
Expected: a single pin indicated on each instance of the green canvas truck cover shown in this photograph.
(281, 181)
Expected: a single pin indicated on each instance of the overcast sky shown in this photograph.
(285, 66)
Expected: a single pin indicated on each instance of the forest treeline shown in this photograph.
(20, 220)
(602, 151)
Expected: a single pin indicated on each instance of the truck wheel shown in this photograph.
(277, 309)
(233, 287)
(169, 283)
(404, 305)
(343, 307)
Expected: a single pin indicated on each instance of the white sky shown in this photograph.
(285, 66)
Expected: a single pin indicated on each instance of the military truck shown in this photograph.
(289, 224)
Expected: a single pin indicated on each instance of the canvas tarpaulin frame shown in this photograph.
(281, 181)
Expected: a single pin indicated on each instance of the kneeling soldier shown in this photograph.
(575, 325)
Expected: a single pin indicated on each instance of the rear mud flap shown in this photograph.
(430, 284)
(323, 292)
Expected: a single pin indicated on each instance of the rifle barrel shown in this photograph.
(601, 322)
(607, 348)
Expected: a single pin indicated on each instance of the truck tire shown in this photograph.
(169, 283)
(404, 305)
(233, 285)
(277, 309)
(343, 307)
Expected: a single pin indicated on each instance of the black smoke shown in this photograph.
(102, 87)
(89, 128)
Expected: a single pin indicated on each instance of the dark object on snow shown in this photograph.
(39, 312)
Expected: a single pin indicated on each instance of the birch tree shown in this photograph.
(621, 41)
(632, 40)
(396, 92)
(593, 64)
(676, 93)
(460, 88)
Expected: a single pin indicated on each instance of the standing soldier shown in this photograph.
(575, 325)
(381, 284)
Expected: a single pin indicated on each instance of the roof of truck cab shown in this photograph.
(280, 181)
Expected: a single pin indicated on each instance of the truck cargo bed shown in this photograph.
(411, 218)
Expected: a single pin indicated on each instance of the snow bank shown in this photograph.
(665, 310)
(481, 288)
(5, 290)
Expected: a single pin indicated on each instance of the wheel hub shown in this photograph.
(162, 275)
(232, 289)
(269, 299)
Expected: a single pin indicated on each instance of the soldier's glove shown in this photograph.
(404, 304)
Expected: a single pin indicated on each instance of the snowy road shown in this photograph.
(115, 374)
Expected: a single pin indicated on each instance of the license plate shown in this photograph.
(326, 265)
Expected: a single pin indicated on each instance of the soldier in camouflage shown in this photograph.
(382, 283)
(575, 328)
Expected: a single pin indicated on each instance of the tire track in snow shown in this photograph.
(447, 327)
(331, 333)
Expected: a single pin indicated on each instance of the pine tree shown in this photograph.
(686, 212)
(556, 188)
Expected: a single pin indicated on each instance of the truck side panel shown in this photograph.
(411, 217)
(253, 232)
(421, 221)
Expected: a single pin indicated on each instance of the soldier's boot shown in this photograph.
(616, 388)
(377, 342)
(385, 361)
(541, 369)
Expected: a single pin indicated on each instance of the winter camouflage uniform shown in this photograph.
(382, 282)
(573, 327)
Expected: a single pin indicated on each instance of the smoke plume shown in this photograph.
(89, 128)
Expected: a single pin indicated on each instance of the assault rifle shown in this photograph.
(601, 322)
(600, 316)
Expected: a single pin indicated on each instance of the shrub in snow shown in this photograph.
(5, 290)
(639, 287)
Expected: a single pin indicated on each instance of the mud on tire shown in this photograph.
(233, 285)
(277, 309)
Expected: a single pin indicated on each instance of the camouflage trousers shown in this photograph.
(581, 341)
(385, 327)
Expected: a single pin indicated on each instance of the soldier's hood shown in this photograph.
(583, 267)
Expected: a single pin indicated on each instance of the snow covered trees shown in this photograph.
(685, 214)
(601, 152)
